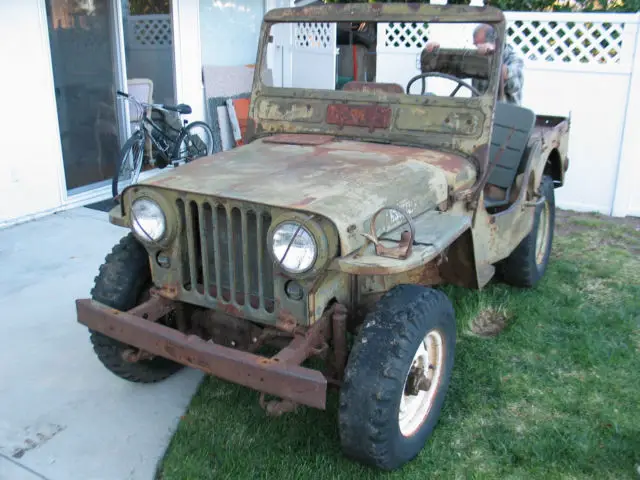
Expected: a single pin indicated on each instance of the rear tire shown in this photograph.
(122, 283)
(186, 149)
(380, 423)
(129, 163)
(527, 264)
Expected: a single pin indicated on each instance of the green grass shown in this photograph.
(555, 395)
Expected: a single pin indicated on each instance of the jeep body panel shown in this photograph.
(458, 125)
(343, 181)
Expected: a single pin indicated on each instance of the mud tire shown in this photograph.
(374, 379)
(122, 281)
(521, 269)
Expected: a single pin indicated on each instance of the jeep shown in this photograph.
(328, 234)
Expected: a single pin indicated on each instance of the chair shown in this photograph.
(512, 128)
(142, 90)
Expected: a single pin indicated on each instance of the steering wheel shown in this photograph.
(461, 83)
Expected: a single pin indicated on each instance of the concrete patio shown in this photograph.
(62, 414)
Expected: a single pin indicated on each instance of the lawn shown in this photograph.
(555, 394)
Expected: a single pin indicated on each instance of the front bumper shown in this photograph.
(267, 375)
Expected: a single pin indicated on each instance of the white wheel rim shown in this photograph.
(542, 237)
(414, 409)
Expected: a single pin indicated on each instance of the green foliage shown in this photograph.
(538, 5)
(149, 7)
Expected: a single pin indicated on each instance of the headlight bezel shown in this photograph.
(317, 231)
(136, 194)
(299, 229)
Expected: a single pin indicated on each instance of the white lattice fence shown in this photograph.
(313, 55)
(314, 36)
(149, 31)
(409, 36)
(575, 38)
(149, 47)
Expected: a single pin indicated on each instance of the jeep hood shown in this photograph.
(343, 181)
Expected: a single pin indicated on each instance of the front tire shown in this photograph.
(385, 416)
(123, 281)
(527, 264)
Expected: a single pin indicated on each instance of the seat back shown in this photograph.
(512, 128)
(142, 90)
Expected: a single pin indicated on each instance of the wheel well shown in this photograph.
(553, 167)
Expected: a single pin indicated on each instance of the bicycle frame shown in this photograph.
(149, 126)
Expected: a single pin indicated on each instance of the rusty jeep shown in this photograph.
(328, 234)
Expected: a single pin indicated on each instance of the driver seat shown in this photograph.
(512, 128)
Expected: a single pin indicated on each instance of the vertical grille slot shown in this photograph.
(266, 278)
(225, 256)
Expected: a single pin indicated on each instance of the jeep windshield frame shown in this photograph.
(459, 125)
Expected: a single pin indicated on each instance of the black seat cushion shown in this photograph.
(181, 108)
(512, 128)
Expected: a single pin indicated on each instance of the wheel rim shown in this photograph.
(414, 409)
(542, 237)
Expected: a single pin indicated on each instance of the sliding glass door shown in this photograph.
(85, 38)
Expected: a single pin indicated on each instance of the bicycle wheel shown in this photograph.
(129, 164)
(196, 140)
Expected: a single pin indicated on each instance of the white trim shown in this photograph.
(49, 83)
(120, 58)
(626, 179)
(74, 201)
(177, 53)
(574, 17)
(581, 207)
(602, 69)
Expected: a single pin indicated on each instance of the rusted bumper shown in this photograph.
(301, 385)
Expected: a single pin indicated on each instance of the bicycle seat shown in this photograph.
(182, 109)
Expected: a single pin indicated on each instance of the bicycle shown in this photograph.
(182, 145)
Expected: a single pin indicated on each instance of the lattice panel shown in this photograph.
(406, 35)
(569, 42)
(151, 30)
(316, 36)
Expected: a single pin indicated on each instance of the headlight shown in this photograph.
(148, 220)
(294, 247)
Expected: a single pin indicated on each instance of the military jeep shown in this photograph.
(324, 239)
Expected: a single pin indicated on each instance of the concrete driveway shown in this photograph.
(62, 414)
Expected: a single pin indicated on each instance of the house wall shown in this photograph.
(31, 164)
(229, 31)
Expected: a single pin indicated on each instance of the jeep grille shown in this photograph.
(225, 258)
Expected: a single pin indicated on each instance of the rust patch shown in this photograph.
(373, 87)
(286, 321)
(289, 381)
(299, 139)
(427, 275)
(370, 116)
(169, 291)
